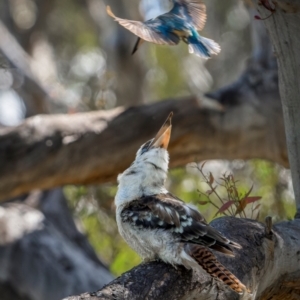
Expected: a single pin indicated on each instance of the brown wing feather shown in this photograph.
(166, 211)
(141, 30)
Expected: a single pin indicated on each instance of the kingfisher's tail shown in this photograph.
(206, 259)
(202, 46)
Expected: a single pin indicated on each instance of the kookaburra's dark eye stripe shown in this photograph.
(132, 172)
(154, 165)
(146, 147)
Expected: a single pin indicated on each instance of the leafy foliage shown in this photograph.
(235, 202)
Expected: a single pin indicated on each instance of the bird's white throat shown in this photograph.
(146, 176)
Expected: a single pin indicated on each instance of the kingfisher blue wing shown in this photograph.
(149, 31)
(182, 22)
(193, 11)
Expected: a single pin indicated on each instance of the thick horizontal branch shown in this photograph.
(48, 151)
(264, 264)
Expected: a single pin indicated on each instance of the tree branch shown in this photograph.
(36, 101)
(262, 263)
(49, 151)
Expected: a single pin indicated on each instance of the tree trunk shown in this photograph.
(283, 26)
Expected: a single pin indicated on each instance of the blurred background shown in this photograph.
(69, 57)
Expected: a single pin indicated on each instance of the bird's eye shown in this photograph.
(145, 147)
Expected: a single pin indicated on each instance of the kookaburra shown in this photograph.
(158, 225)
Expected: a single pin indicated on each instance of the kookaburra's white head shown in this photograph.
(148, 173)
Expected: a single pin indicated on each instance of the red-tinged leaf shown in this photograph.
(211, 178)
(224, 207)
(202, 202)
(241, 207)
(251, 199)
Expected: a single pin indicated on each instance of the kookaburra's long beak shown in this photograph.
(162, 138)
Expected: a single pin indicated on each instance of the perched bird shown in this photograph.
(158, 225)
(182, 22)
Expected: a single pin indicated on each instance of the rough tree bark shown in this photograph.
(268, 265)
(283, 26)
(49, 151)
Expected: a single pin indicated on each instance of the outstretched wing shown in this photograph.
(164, 211)
(192, 10)
(146, 31)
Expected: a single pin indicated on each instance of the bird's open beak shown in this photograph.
(162, 138)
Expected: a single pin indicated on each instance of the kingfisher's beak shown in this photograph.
(162, 138)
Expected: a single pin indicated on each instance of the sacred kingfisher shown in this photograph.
(182, 22)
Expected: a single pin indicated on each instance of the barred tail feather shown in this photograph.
(206, 259)
(202, 46)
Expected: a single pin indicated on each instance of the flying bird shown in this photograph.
(182, 22)
(158, 225)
